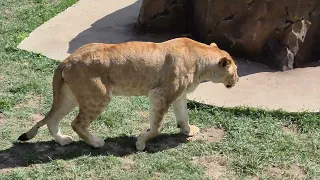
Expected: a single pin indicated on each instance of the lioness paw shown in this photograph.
(193, 130)
(64, 140)
(97, 143)
(140, 145)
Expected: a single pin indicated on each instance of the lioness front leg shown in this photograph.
(181, 113)
(157, 110)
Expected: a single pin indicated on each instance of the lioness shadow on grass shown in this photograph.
(25, 154)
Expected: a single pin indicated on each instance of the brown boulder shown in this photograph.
(283, 34)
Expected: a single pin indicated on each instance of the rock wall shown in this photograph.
(282, 34)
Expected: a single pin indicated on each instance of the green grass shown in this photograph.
(254, 139)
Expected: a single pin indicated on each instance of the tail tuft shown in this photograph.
(23, 137)
(32, 132)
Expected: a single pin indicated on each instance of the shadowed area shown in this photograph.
(25, 154)
(116, 27)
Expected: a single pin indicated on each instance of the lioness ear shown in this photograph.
(224, 62)
(213, 44)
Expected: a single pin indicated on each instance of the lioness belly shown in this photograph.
(124, 92)
(131, 89)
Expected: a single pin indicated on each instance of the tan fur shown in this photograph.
(165, 72)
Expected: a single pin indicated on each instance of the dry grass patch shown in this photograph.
(291, 129)
(34, 101)
(291, 172)
(1, 119)
(215, 166)
(209, 135)
(128, 164)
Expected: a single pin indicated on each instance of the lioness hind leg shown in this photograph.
(157, 110)
(81, 123)
(182, 118)
(92, 98)
(65, 104)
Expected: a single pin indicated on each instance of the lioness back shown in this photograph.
(134, 68)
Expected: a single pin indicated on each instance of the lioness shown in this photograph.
(165, 72)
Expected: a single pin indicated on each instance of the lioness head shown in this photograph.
(227, 72)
